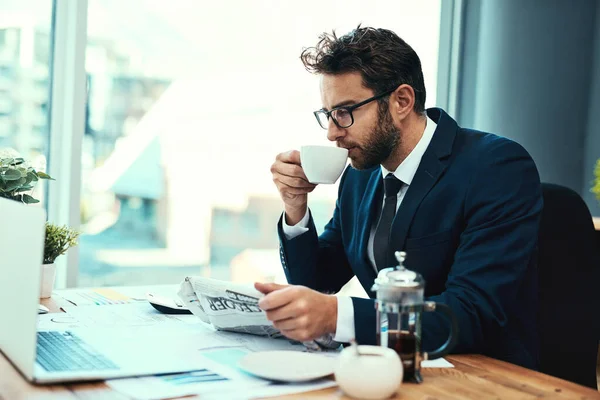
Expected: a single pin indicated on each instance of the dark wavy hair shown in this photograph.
(384, 60)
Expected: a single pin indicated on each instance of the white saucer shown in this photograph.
(287, 366)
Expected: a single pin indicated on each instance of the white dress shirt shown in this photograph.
(405, 172)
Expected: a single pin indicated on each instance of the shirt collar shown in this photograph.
(408, 168)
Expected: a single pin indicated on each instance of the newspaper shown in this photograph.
(226, 306)
(234, 307)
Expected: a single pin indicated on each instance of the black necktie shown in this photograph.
(381, 241)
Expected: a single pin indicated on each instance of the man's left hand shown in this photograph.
(298, 312)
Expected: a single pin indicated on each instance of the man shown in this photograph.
(466, 203)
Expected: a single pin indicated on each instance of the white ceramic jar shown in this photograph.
(369, 372)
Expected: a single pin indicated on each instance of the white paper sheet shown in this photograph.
(94, 297)
(58, 322)
(221, 339)
(157, 388)
(167, 386)
(221, 379)
(182, 331)
(437, 363)
(272, 390)
(139, 292)
(132, 314)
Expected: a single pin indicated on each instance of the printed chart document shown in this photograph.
(182, 331)
(113, 296)
(221, 379)
(199, 383)
(211, 379)
(94, 297)
(131, 314)
(272, 390)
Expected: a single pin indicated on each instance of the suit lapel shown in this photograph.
(427, 175)
(430, 169)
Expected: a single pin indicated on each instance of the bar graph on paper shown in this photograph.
(95, 297)
(188, 378)
(223, 384)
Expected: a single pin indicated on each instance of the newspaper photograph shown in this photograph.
(234, 307)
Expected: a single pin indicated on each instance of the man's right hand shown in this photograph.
(292, 184)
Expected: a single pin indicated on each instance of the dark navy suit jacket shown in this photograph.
(468, 223)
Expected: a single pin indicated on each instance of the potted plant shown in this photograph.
(17, 177)
(58, 240)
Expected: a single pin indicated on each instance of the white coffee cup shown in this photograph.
(323, 164)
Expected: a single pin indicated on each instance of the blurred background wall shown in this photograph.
(530, 71)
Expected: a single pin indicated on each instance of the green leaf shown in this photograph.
(12, 185)
(11, 175)
(44, 176)
(33, 176)
(18, 161)
(27, 199)
(24, 188)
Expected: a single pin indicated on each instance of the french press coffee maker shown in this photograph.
(399, 306)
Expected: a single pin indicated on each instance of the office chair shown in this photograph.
(569, 281)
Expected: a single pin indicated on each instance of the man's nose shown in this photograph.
(334, 132)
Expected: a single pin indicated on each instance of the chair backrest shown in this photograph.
(569, 281)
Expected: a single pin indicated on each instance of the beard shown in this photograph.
(380, 143)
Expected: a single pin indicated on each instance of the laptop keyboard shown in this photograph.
(65, 351)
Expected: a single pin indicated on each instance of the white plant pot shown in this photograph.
(48, 275)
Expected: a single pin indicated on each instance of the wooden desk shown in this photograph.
(474, 377)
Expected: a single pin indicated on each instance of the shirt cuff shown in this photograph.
(344, 331)
(291, 232)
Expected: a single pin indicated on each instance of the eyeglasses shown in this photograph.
(342, 116)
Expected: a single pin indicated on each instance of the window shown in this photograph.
(186, 111)
(25, 45)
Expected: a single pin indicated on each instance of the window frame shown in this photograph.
(449, 55)
(67, 120)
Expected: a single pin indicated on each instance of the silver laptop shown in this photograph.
(79, 354)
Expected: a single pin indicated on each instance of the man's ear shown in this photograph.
(402, 101)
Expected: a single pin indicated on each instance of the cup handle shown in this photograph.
(452, 339)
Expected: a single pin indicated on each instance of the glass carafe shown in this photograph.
(399, 305)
